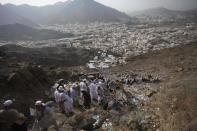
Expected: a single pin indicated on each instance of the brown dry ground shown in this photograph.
(174, 106)
(176, 101)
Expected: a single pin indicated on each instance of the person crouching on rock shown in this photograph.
(11, 119)
(44, 117)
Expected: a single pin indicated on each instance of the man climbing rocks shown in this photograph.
(93, 92)
(44, 117)
(11, 119)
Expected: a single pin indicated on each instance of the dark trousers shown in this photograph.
(16, 127)
(45, 129)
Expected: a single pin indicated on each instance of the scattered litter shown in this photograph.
(107, 125)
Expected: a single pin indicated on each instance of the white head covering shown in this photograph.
(61, 88)
(65, 85)
(71, 89)
(39, 103)
(74, 85)
(8, 103)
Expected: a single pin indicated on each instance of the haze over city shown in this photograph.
(122, 5)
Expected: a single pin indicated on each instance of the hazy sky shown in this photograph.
(122, 5)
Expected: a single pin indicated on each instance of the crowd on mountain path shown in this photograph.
(87, 93)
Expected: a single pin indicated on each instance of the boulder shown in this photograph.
(85, 120)
(150, 93)
(2, 53)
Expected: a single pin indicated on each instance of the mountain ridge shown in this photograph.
(10, 17)
(167, 15)
(72, 11)
(15, 32)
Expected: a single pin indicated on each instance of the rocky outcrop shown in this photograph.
(24, 84)
(85, 120)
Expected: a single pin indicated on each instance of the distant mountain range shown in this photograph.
(85, 11)
(163, 14)
(71, 11)
(21, 32)
(8, 16)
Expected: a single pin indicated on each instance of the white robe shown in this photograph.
(102, 85)
(93, 91)
(68, 103)
(57, 96)
(83, 86)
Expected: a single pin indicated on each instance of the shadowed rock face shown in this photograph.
(58, 56)
(24, 83)
(26, 74)
(13, 32)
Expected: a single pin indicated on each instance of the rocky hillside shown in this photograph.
(26, 74)
(8, 16)
(161, 94)
(58, 56)
(163, 15)
(173, 106)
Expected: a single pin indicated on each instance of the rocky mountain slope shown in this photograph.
(57, 56)
(26, 74)
(161, 14)
(76, 11)
(8, 16)
(174, 105)
(164, 89)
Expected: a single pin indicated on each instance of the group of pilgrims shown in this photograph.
(84, 93)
